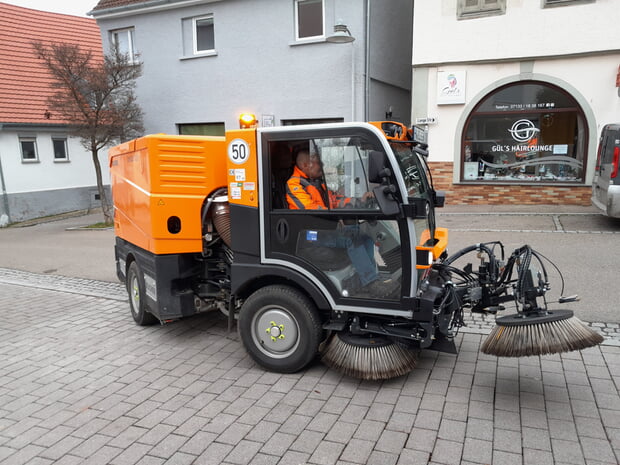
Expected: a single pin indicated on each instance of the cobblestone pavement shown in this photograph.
(80, 383)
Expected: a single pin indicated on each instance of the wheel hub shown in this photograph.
(135, 293)
(276, 332)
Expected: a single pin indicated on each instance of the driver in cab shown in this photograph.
(306, 190)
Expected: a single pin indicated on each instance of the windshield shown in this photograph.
(417, 182)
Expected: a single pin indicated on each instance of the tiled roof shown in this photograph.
(25, 83)
(105, 4)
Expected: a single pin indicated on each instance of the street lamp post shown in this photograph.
(342, 35)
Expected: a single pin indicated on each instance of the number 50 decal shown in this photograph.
(238, 151)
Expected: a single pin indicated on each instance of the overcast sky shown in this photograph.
(69, 7)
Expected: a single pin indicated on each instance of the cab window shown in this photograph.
(342, 170)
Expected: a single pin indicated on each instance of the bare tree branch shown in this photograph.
(95, 97)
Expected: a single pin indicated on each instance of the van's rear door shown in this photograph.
(606, 174)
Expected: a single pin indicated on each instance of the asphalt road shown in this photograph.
(59, 248)
(584, 245)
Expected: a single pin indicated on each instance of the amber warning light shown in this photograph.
(247, 121)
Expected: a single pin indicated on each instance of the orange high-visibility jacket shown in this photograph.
(303, 193)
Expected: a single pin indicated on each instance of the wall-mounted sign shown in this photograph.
(427, 120)
(451, 87)
(269, 121)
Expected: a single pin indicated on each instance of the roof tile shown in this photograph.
(105, 4)
(25, 83)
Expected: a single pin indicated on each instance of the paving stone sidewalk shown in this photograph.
(475, 323)
(80, 383)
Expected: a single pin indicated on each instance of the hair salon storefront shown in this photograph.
(526, 132)
(519, 133)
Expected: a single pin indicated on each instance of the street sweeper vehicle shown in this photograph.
(361, 277)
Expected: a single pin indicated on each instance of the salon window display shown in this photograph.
(525, 132)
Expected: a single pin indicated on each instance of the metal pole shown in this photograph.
(353, 116)
(367, 64)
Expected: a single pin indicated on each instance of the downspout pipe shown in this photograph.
(5, 197)
(367, 64)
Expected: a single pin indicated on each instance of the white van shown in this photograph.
(606, 184)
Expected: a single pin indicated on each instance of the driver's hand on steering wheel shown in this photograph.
(368, 196)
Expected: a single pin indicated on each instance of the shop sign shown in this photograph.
(451, 87)
(525, 133)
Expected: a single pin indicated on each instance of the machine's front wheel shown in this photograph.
(280, 328)
(137, 296)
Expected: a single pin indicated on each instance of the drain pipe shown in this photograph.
(367, 64)
(5, 198)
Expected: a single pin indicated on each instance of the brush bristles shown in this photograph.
(540, 338)
(369, 363)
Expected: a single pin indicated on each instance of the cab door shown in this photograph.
(347, 247)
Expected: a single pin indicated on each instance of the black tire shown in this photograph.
(137, 296)
(271, 314)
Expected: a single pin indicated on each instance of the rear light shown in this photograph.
(615, 162)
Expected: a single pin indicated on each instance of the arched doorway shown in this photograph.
(525, 132)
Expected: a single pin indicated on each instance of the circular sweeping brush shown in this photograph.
(368, 357)
(539, 333)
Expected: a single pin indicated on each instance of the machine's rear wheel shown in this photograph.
(280, 328)
(137, 296)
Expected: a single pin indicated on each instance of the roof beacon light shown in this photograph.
(247, 121)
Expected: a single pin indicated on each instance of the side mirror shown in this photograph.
(378, 173)
(439, 198)
(385, 199)
(376, 164)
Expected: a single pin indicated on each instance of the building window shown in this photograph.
(202, 129)
(295, 122)
(308, 19)
(525, 132)
(29, 149)
(550, 3)
(60, 149)
(123, 41)
(477, 8)
(204, 35)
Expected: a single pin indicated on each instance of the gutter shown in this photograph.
(145, 7)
